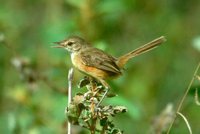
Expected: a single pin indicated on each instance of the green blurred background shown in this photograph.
(33, 78)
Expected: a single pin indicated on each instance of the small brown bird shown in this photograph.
(97, 63)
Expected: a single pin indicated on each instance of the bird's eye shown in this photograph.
(70, 43)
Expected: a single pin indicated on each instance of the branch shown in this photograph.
(186, 122)
(196, 98)
(184, 96)
(70, 78)
(198, 77)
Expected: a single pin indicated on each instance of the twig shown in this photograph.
(70, 78)
(198, 77)
(196, 98)
(184, 96)
(186, 122)
(93, 105)
(104, 129)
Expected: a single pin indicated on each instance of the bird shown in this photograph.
(97, 63)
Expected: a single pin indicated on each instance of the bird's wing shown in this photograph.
(97, 58)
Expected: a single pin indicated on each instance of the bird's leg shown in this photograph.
(107, 87)
(104, 95)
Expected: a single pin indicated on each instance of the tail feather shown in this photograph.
(143, 49)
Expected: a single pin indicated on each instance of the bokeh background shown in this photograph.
(33, 80)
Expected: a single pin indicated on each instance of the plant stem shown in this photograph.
(93, 125)
(183, 98)
(70, 78)
(92, 108)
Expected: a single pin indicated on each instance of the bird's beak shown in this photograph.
(59, 45)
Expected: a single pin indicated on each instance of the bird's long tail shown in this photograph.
(143, 49)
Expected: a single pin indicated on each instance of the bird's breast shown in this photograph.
(90, 70)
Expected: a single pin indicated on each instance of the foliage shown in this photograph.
(85, 111)
(33, 75)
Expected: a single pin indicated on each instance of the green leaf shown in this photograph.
(133, 110)
(112, 6)
(196, 43)
(76, 3)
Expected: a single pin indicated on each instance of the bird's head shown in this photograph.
(72, 44)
